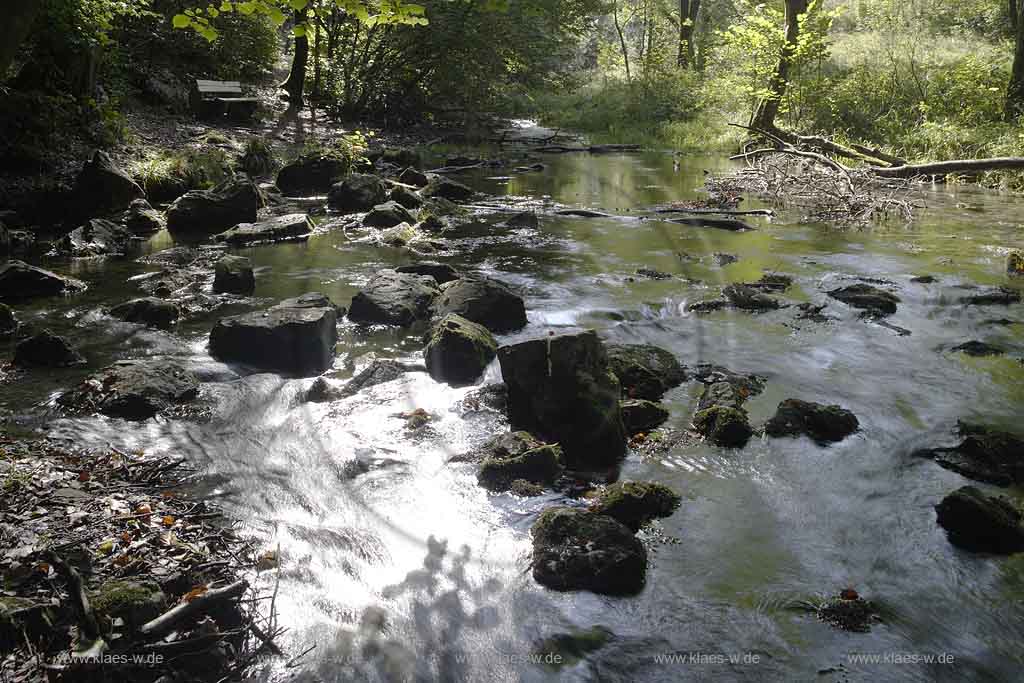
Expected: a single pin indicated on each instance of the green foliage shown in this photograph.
(258, 157)
(166, 174)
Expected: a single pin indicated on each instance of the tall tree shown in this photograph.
(18, 18)
(295, 84)
(689, 10)
(1015, 90)
(768, 108)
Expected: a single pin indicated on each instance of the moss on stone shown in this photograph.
(723, 425)
(635, 503)
(134, 601)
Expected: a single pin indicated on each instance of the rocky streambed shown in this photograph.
(510, 409)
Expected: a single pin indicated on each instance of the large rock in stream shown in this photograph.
(19, 281)
(134, 389)
(578, 550)
(981, 523)
(208, 212)
(984, 454)
(99, 237)
(720, 414)
(46, 349)
(540, 465)
(293, 226)
(311, 174)
(102, 188)
(148, 311)
(484, 301)
(872, 300)
(825, 424)
(635, 503)
(391, 298)
(446, 188)
(296, 336)
(357, 192)
(388, 215)
(645, 371)
(233, 275)
(560, 388)
(142, 219)
(458, 351)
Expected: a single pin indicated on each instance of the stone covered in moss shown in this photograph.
(724, 425)
(1015, 264)
(985, 454)
(635, 503)
(21, 618)
(560, 388)
(458, 350)
(823, 423)
(981, 523)
(639, 415)
(566, 649)
(526, 489)
(645, 371)
(538, 465)
(578, 550)
(134, 601)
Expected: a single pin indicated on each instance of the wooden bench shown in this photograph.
(217, 99)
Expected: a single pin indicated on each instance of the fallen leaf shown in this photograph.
(194, 593)
(168, 520)
(84, 475)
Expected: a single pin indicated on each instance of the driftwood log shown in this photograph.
(169, 619)
(592, 149)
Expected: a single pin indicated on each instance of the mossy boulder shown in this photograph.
(446, 188)
(142, 219)
(747, 298)
(724, 425)
(392, 298)
(137, 602)
(1015, 264)
(639, 415)
(635, 503)
(981, 523)
(458, 350)
(578, 550)
(525, 489)
(103, 188)
(46, 349)
(406, 197)
(645, 371)
(311, 173)
(234, 275)
(824, 423)
(542, 465)
(567, 649)
(560, 388)
(505, 445)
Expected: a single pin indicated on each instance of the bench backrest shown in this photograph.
(218, 88)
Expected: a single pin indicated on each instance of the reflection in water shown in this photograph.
(397, 565)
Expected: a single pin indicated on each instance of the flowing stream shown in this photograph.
(396, 564)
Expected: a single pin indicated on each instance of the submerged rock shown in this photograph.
(525, 489)
(645, 371)
(234, 275)
(357, 192)
(848, 612)
(103, 188)
(503, 446)
(747, 298)
(823, 423)
(564, 650)
(458, 351)
(771, 282)
(541, 465)
(208, 212)
(19, 281)
(985, 454)
(293, 226)
(392, 298)
(313, 173)
(578, 550)
(46, 350)
(378, 372)
(635, 503)
(388, 215)
(484, 301)
(296, 336)
(524, 219)
(978, 348)
(560, 388)
(148, 311)
(441, 272)
(134, 389)
(142, 219)
(639, 415)
(446, 188)
(981, 523)
(997, 296)
(872, 300)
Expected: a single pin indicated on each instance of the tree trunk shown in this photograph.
(688, 13)
(622, 41)
(296, 83)
(768, 108)
(1013, 15)
(1015, 90)
(18, 19)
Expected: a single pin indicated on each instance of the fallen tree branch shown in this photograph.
(720, 223)
(953, 166)
(592, 149)
(166, 621)
(719, 212)
(76, 589)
